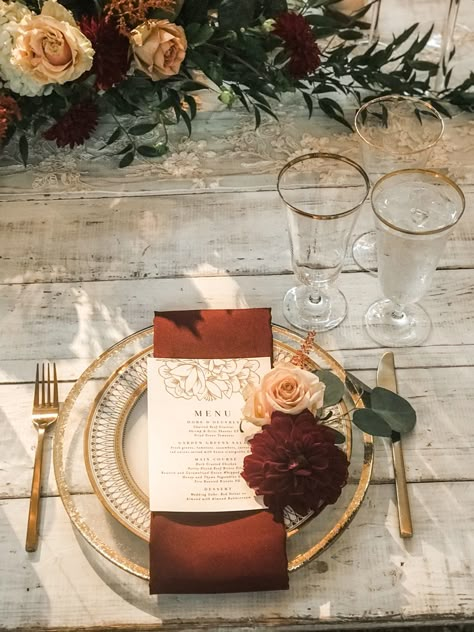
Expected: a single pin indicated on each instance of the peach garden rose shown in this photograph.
(50, 47)
(159, 48)
(285, 388)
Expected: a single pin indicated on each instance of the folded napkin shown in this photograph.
(213, 552)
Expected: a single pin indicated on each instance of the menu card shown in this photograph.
(196, 446)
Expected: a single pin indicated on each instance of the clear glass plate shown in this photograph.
(100, 457)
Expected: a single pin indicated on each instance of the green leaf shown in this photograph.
(437, 105)
(330, 107)
(425, 66)
(309, 103)
(142, 128)
(114, 136)
(370, 422)
(397, 41)
(338, 436)
(334, 390)
(124, 150)
(127, 159)
(191, 101)
(350, 34)
(23, 147)
(267, 110)
(258, 117)
(187, 121)
(192, 31)
(316, 19)
(193, 86)
(205, 33)
(272, 8)
(395, 410)
(236, 14)
(152, 151)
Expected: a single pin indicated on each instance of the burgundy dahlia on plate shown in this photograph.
(294, 461)
(76, 126)
(111, 56)
(299, 42)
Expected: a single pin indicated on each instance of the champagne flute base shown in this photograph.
(311, 310)
(390, 328)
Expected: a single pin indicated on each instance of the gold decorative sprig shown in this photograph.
(301, 358)
(131, 13)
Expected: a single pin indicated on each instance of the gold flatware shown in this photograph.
(45, 413)
(387, 378)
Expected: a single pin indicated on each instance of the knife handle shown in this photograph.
(404, 513)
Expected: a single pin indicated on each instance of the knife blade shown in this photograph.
(386, 377)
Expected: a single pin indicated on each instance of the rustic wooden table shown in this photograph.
(88, 252)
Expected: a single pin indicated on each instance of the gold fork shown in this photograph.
(45, 413)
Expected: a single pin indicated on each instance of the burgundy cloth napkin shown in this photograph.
(213, 552)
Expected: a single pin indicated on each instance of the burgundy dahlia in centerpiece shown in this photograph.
(299, 42)
(294, 461)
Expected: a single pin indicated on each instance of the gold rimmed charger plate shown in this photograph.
(95, 421)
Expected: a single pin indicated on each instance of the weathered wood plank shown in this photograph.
(189, 235)
(428, 578)
(50, 321)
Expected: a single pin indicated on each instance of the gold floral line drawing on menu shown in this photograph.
(208, 379)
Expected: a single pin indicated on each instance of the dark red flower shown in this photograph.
(9, 111)
(299, 42)
(294, 461)
(75, 126)
(111, 58)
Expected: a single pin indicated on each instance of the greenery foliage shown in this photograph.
(232, 43)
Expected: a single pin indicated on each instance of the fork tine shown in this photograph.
(49, 386)
(55, 386)
(42, 384)
(36, 398)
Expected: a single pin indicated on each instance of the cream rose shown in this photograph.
(50, 47)
(286, 388)
(159, 48)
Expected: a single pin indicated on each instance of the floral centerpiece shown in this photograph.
(296, 459)
(65, 65)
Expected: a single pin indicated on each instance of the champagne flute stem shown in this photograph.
(398, 311)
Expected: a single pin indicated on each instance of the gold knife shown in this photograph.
(387, 378)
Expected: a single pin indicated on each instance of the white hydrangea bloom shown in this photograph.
(12, 77)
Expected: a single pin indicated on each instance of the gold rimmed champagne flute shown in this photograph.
(323, 193)
(415, 211)
(394, 132)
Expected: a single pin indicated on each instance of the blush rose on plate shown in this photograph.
(286, 388)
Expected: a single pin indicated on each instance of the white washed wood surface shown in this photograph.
(85, 258)
(193, 234)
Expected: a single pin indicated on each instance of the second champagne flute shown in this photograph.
(395, 132)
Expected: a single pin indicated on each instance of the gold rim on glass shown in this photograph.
(428, 172)
(399, 97)
(327, 156)
(124, 561)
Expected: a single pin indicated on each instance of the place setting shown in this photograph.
(216, 451)
(236, 305)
